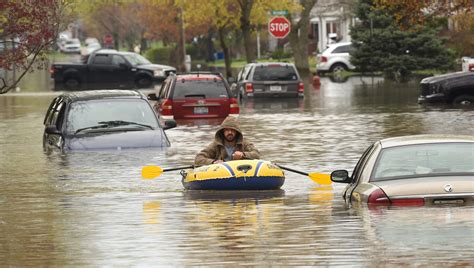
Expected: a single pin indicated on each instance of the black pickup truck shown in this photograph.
(107, 68)
(453, 88)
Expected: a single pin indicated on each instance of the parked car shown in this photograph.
(268, 79)
(453, 88)
(335, 58)
(194, 96)
(71, 46)
(103, 119)
(467, 64)
(108, 68)
(413, 170)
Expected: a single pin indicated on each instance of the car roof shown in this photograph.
(272, 63)
(424, 139)
(199, 76)
(340, 44)
(102, 94)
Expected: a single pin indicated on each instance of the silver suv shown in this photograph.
(335, 58)
(268, 79)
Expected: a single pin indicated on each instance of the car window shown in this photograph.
(165, 88)
(343, 49)
(102, 59)
(361, 163)
(55, 118)
(199, 88)
(49, 113)
(413, 161)
(117, 60)
(275, 72)
(84, 114)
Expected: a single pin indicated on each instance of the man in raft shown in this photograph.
(229, 144)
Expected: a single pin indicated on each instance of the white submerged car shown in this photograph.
(413, 170)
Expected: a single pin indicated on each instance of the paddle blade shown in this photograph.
(151, 172)
(320, 178)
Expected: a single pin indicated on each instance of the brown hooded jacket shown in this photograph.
(216, 150)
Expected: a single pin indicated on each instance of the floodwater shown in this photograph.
(93, 209)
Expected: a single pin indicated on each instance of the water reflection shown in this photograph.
(93, 208)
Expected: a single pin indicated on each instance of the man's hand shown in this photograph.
(237, 155)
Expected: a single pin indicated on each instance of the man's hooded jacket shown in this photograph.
(216, 150)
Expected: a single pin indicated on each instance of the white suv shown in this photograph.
(335, 58)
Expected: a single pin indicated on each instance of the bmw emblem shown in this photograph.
(448, 188)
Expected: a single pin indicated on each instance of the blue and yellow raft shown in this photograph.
(235, 175)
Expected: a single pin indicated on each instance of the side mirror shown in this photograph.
(152, 96)
(51, 129)
(123, 66)
(341, 176)
(170, 123)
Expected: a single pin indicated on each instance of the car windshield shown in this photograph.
(274, 72)
(86, 114)
(136, 59)
(412, 161)
(199, 89)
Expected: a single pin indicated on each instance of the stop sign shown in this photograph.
(279, 27)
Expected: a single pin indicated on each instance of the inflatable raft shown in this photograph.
(234, 175)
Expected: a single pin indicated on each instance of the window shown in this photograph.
(89, 113)
(117, 60)
(413, 161)
(195, 88)
(102, 59)
(274, 73)
(343, 49)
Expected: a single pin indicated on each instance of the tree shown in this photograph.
(27, 31)
(299, 36)
(381, 45)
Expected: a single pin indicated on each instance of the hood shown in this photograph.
(152, 67)
(450, 76)
(117, 140)
(229, 122)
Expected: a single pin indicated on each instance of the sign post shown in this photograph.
(279, 27)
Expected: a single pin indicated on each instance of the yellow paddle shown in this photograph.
(151, 172)
(319, 178)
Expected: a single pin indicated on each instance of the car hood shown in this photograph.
(117, 140)
(450, 76)
(427, 186)
(152, 67)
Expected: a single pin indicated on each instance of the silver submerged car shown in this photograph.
(413, 170)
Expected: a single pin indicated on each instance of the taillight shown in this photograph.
(378, 197)
(249, 88)
(301, 87)
(234, 106)
(324, 59)
(471, 67)
(51, 71)
(166, 107)
(408, 202)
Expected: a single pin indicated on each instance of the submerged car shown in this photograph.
(413, 170)
(200, 95)
(268, 79)
(452, 88)
(103, 119)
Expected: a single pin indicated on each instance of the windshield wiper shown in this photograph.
(117, 123)
(110, 124)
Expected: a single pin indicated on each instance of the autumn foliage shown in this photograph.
(27, 29)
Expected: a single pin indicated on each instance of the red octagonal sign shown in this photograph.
(279, 27)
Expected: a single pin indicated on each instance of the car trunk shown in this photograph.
(201, 108)
(276, 87)
(433, 189)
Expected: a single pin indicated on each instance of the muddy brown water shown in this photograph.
(93, 209)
